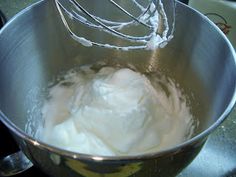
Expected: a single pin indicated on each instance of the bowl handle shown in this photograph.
(14, 164)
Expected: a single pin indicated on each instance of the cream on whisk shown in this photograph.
(152, 15)
(115, 112)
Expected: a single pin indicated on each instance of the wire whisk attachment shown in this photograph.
(122, 25)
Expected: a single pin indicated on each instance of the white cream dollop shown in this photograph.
(114, 112)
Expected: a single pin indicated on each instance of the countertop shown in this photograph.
(218, 156)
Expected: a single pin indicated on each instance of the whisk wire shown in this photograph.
(130, 15)
(108, 29)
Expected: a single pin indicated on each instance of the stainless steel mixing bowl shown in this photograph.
(35, 47)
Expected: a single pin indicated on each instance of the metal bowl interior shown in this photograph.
(35, 48)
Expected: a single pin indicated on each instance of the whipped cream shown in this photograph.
(115, 112)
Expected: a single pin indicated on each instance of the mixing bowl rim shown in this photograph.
(56, 150)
